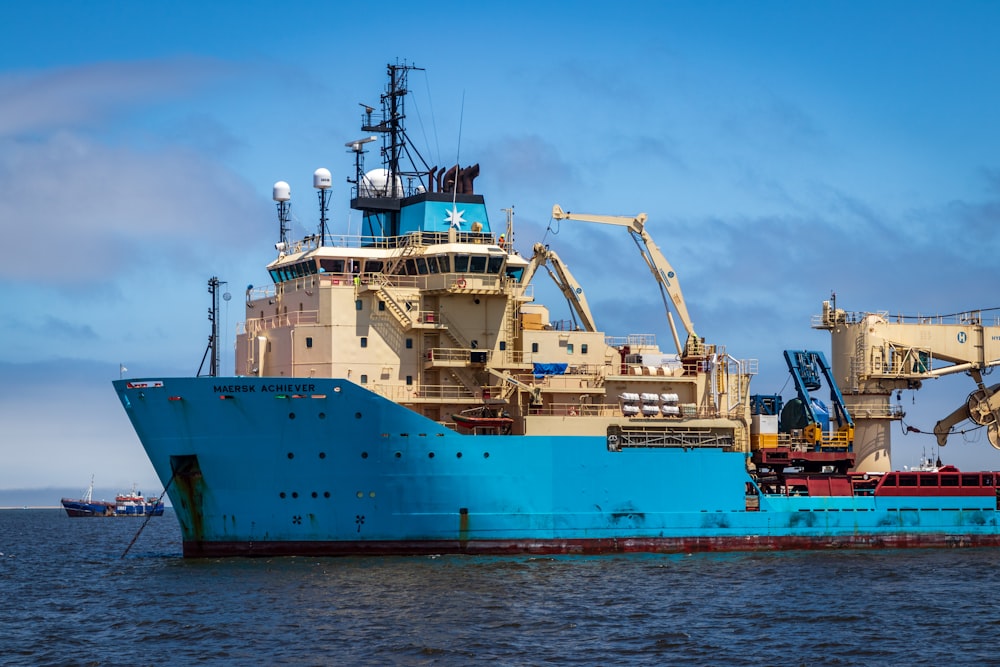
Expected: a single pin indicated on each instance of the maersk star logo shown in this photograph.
(454, 217)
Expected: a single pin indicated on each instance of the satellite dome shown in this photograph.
(376, 184)
(321, 179)
(282, 192)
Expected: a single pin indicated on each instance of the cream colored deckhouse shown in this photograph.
(433, 309)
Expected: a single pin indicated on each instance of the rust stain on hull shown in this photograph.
(190, 484)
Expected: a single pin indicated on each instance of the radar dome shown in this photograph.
(282, 192)
(376, 183)
(321, 179)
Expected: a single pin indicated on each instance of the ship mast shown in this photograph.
(213, 338)
(397, 150)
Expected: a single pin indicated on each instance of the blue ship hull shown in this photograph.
(273, 466)
(81, 508)
(144, 509)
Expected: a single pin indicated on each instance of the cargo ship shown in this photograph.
(401, 392)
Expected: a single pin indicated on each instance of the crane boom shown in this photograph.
(806, 367)
(663, 272)
(567, 284)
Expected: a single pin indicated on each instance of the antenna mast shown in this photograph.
(283, 195)
(213, 338)
(322, 182)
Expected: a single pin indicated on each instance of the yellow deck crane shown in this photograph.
(658, 265)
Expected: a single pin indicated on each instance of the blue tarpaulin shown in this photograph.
(541, 370)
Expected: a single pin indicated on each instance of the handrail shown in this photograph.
(259, 324)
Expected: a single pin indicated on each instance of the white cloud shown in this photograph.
(36, 102)
(102, 206)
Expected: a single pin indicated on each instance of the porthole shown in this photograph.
(315, 495)
(281, 495)
(291, 415)
(291, 455)
(399, 455)
(326, 494)
(430, 455)
(458, 455)
(361, 494)
(322, 415)
(322, 455)
(364, 455)
(357, 415)
(295, 494)
(486, 455)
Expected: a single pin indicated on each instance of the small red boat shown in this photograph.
(475, 422)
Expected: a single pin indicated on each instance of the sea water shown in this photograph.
(68, 597)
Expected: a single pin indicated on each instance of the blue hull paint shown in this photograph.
(81, 508)
(273, 466)
(146, 509)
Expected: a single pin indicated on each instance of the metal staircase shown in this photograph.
(399, 312)
(409, 249)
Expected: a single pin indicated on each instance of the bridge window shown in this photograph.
(907, 480)
(332, 265)
(495, 264)
(515, 273)
(949, 480)
(970, 480)
(461, 263)
(929, 480)
(421, 266)
(477, 264)
(373, 266)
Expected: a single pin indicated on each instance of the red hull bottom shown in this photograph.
(194, 549)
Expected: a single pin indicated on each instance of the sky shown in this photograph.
(782, 151)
